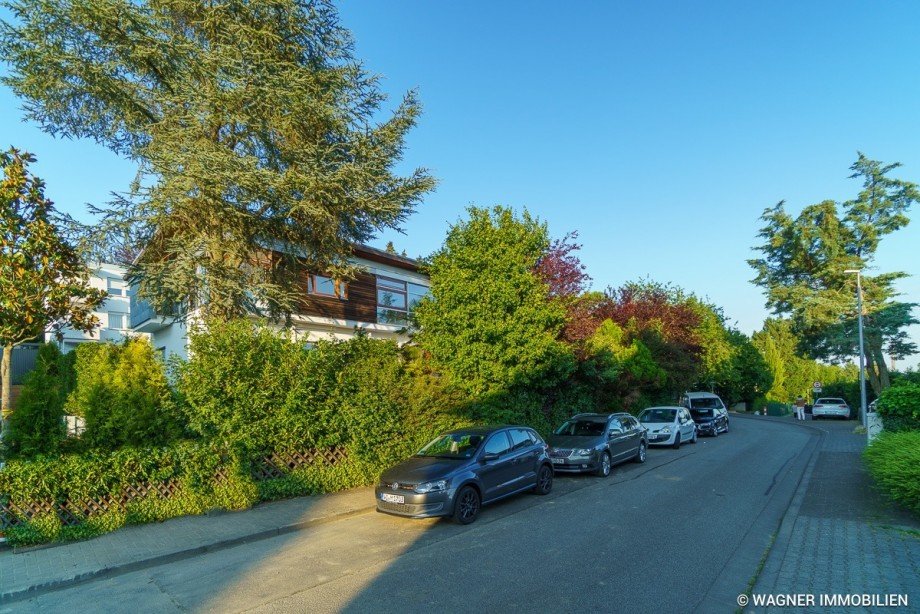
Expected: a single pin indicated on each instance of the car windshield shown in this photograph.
(701, 413)
(658, 414)
(582, 428)
(453, 445)
(704, 403)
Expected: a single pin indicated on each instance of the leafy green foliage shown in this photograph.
(45, 283)
(101, 475)
(37, 425)
(899, 407)
(275, 139)
(122, 392)
(893, 460)
(488, 322)
(794, 373)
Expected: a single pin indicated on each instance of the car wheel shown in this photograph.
(603, 469)
(640, 453)
(726, 426)
(677, 442)
(544, 480)
(694, 436)
(467, 507)
(715, 431)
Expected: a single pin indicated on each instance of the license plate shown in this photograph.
(392, 498)
(558, 461)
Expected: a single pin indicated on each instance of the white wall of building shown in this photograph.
(114, 314)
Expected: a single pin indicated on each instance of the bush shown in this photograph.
(899, 407)
(894, 462)
(37, 425)
(251, 389)
(123, 393)
(106, 475)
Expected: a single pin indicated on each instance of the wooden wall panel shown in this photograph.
(361, 304)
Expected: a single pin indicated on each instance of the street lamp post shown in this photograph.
(862, 355)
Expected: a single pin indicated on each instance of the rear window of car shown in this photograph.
(830, 402)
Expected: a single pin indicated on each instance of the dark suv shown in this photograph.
(458, 472)
(596, 442)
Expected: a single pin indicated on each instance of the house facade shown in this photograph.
(114, 314)
(377, 301)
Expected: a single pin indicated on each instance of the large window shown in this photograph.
(396, 299)
(320, 285)
(116, 287)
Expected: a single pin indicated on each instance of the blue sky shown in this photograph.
(659, 131)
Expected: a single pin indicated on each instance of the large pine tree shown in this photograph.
(253, 125)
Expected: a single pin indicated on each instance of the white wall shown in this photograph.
(108, 329)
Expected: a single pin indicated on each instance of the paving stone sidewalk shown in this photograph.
(843, 537)
(138, 547)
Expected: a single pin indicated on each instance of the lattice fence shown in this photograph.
(72, 513)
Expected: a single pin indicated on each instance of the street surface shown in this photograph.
(683, 532)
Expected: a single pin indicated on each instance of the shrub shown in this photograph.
(251, 389)
(899, 407)
(106, 475)
(123, 393)
(894, 462)
(489, 322)
(37, 426)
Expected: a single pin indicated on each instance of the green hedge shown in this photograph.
(894, 462)
(77, 478)
(899, 407)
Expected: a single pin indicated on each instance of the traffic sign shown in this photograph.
(816, 385)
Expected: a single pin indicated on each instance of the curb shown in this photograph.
(172, 557)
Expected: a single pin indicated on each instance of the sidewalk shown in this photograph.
(34, 571)
(840, 536)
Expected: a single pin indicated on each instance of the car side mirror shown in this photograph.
(488, 456)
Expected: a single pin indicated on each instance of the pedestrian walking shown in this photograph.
(800, 408)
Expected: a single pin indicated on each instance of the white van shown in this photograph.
(708, 412)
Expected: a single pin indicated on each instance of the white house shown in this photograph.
(378, 301)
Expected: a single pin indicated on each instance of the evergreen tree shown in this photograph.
(254, 127)
(488, 320)
(802, 271)
(37, 425)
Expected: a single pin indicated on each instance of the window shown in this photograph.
(498, 444)
(116, 286)
(615, 426)
(628, 424)
(416, 294)
(117, 321)
(321, 285)
(520, 439)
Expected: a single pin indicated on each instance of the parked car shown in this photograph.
(596, 442)
(668, 426)
(830, 406)
(708, 412)
(460, 471)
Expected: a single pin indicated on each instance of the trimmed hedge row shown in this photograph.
(893, 460)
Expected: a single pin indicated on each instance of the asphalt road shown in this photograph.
(683, 532)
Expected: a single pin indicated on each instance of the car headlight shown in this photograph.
(666, 430)
(426, 487)
(584, 452)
